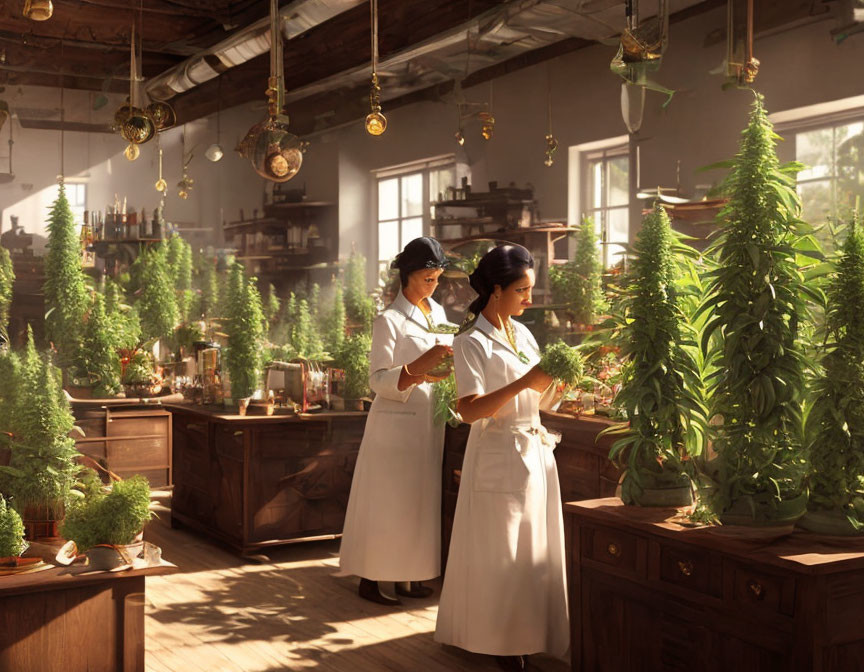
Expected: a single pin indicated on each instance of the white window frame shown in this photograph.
(579, 158)
(424, 167)
(831, 114)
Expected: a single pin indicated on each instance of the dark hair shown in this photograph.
(501, 266)
(420, 253)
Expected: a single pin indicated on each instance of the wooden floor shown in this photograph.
(292, 613)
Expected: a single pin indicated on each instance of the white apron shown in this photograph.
(393, 524)
(505, 588)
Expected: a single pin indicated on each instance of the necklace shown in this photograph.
(510, 333)
(437, 328)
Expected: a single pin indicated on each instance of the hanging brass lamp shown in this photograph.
(276, 154)
(551, 141)
(134, 124)
(38, 10)
(376, 122)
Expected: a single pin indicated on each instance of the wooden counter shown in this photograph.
(584, 468)
(257, 481)
(57, 621)
(649, 594)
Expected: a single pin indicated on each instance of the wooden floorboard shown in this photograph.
(220, 613)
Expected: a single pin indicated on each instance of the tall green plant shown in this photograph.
(157, 303)
(758, 297)
(11, 531)
(179, 259)
(126, 327)
(578, 282)
(333, 323)
(100, 361)
(359, 306)
(354, 360)
(66, 297)
(43, 455)
(835, 423)
(661, 391)
(7, 281)
(245, 328)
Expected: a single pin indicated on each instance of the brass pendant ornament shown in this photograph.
(376, 122)
(162, 114)
(38, 10)
(134, 123)
(741, 66)
(275, 153)
(551, 142)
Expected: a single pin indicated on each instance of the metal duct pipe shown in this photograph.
(296, 18)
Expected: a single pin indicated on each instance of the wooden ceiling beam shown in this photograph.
(84, 83)
(340, 44)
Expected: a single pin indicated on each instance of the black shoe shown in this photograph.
(416, 589)
(369, 591)
(511, 663)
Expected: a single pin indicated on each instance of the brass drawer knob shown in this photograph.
(685, 567)
(614, 550)
(756, 589)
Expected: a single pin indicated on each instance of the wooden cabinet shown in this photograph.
(647, 594)
(258, 481)
(128, 442)
(55, 621)
(584, 468)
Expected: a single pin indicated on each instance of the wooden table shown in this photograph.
(258, 481)
(56, 621)
(584, 468)
(648, 594)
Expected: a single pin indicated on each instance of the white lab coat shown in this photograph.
(505, 588)
(393, 524)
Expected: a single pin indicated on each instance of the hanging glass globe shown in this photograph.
(460, 137)
(38, 10)
(138, 127)
(275, 153)
(376, 123)
(132, 152)
(214, 152)
(162, 114)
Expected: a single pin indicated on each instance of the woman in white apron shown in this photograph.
(505, 591)
(393, 524)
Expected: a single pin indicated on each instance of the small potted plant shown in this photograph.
(12, 543)
(660, 391)
(835, 423)
(139, 377)
(245, 327)
(577, 284)
(108, 527)
(354, 360)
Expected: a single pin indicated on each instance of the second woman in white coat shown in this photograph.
(505, 590)
(392, 526)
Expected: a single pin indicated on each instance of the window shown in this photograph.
(405, 197)
(76, 194)
(607, 199)
(400, 213)
(834, 174)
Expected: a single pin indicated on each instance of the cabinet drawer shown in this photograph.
(611, 547)
(762, 591)
(690, 568)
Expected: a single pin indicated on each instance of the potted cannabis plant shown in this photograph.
(66, 298)
(758, 299)
(577, 284)
(12, 543)
(245, 328)
(157, 301)
(7, 281)
(99, 361)
(835, 423)
(359, 306)
(107, 527)
(42, 468)
(660, 392)
(354, 360)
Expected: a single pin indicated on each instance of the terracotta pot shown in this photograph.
(787, 513)
(39, 525)
(831, 523)
(665, 497)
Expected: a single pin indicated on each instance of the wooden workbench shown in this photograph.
(257, 481)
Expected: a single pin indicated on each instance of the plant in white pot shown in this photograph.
(107, 527)
(835, 423)
(662, 389)
(758, 300)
